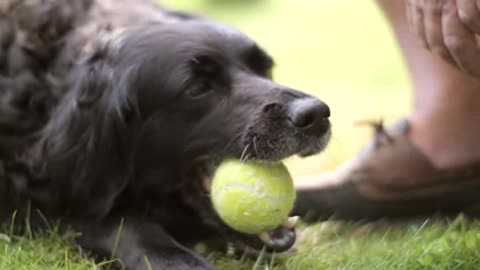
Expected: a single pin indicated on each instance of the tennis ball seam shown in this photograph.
(253, 191)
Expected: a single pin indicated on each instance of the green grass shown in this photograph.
(334, 245)
(45, 251)
(341, 51)
(327, 245)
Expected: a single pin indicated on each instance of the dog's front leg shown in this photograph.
(138, 245)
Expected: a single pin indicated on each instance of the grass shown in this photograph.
(45, 251)
(341, 51)
(421, 245)
(328, 245)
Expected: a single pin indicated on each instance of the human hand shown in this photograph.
(469, 14)
(448, 28)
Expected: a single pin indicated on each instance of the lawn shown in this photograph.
(328, 245)
(341, 51)
(383, 246)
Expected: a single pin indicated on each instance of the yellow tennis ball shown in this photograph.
(252, 197)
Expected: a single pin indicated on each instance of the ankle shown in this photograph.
(446, 127)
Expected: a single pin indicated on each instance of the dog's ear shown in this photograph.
(87, 142)
(98, 97)
(90, 83)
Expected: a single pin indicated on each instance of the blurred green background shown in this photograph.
(341, 51)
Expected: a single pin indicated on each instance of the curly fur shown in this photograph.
(108, 109)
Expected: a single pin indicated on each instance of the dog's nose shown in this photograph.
(309, 114)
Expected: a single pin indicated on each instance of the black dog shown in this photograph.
(118, 109)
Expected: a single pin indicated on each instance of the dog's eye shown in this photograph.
(199, 91)
(205, 65)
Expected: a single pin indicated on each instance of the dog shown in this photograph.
(115, 113)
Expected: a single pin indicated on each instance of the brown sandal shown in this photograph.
(390, 178)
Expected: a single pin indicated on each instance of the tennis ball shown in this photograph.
(252, 197)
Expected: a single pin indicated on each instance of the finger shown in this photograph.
(433, 29)
(408, 10)
(469, 14)
(416, 19)
(460, 41)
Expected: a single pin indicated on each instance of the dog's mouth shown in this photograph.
(262, 142)
(278, 240)
(266, 146)
(203, 170)
(274, 144)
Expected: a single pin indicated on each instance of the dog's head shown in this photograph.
(161, 102)
(207, 91)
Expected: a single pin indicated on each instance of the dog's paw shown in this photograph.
(278, 240)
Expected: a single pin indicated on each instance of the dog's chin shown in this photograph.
(260, 150)
(316, 147)
(266, 149)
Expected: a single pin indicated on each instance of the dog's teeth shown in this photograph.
(265, 238)
(206, 183)
(291, 222)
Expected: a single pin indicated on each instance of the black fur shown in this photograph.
(114, 109)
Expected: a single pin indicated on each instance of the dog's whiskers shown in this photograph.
(270, 144)
(244, 153)
(232, 140)
(193, 59)
(246, 158)
(255, 145)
